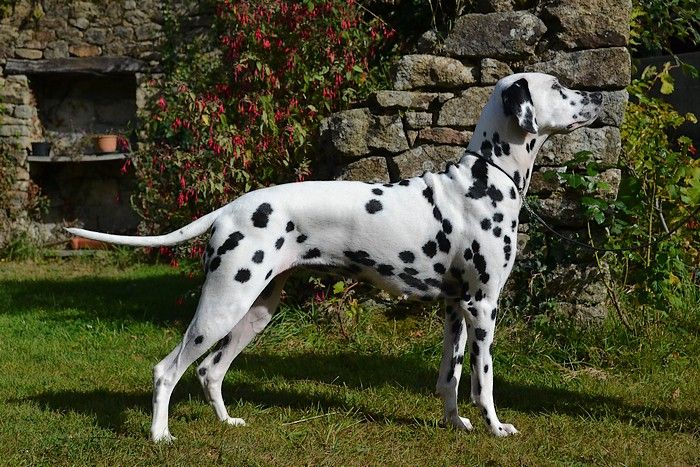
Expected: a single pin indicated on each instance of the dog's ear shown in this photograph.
(518, 102)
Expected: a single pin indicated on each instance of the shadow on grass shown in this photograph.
(353, 372)
(150, 299)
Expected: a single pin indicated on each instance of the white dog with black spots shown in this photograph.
(448, 235)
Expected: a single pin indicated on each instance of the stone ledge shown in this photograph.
(597, 68)
(431, 71)
(90, 65)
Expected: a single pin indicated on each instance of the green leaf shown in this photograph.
(338, 288)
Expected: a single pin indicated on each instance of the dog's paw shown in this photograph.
(503, 429)
(457, 422)
(235, 421)
(164, 437)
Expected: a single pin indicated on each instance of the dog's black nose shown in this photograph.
(597, 98)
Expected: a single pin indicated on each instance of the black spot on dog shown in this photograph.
(468, 254)
(243, 275)
(512, 193)
(486, 224)
(480, 333)
(437, 214)
(411, 271)
(479, 295)
(498, 217)
(217, 358)
(215, 263)
(312, 253)
(497, 231)
(516, 178)
(258, 256)
(442, 241)
(475, 348)
(407, 256)
(269, 273)
(202, 371)
(388, 185)
(385, 269)
(360, 256)
(430, 249)
(225, 341)
(373, 206)
(428, 194)
(404, 182)
(475, 246)
(494, 312)
(487, 149)
(486, 369)
(447, 226)
(290, 226)
(279, 243)
(472, 360)
(377, 191)
(198, 340)
(302, 238)
(439, 268)
(230, 243)
(495, 194)
(413, 282)
(460, 359)
(261, 216)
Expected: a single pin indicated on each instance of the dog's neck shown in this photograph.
(499, 139)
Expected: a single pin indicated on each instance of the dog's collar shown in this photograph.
(490, 162)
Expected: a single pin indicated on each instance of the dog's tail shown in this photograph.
(185, 233)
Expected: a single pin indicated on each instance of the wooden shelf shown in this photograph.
(83, 158)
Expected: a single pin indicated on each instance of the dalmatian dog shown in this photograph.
(448, 235)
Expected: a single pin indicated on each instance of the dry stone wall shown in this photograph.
(438, 92)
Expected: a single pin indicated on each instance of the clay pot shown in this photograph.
(106, 143)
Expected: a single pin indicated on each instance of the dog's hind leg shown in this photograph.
(213, 368)
(451, 365)
(482, 318)
(220, 307)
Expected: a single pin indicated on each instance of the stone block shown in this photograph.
(417, 120)
(345, 133)
(496, 35)
(386, 134)
(404, 99)
(368, 169)
(492, 70)
(579, 288)
(604, 143)
(613, 112)
(84, 50)
(441, 135)
(24, 112)
(490, 6)
(147, 32)
(80, 23)
(14, 130)
(430, 71)
(57, 49)
(597, 68)
(600, 23)
(425, 158)
(562, 209)
(29, 54)
(464, 111)
(96, 36)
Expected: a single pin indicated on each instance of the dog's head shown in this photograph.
(541, 105)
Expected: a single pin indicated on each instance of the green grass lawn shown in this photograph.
(78, 340)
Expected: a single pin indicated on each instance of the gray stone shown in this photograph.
(562, 209)
(425, 158)
(404, 99)
(600, 68)
(497, 35)
(147, 32)
(96, 36)
(124, 32)
(368, 169)
(14, 130)
(441, 135)
(430, 71)
(580, 291)
(84, 10)
(428, 43)
(24, 112)
(386, 134)
(492, 70)
(464, 111)
(601, 23)
(345, 133)
(57, 49)
(80, 23)
(84, 50)
(417, 120)
(30, 54)
(613, 112)
(604, 143)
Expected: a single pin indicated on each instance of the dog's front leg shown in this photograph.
(482, 318)
(454, 341)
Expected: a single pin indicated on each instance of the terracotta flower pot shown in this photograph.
(106, 143)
